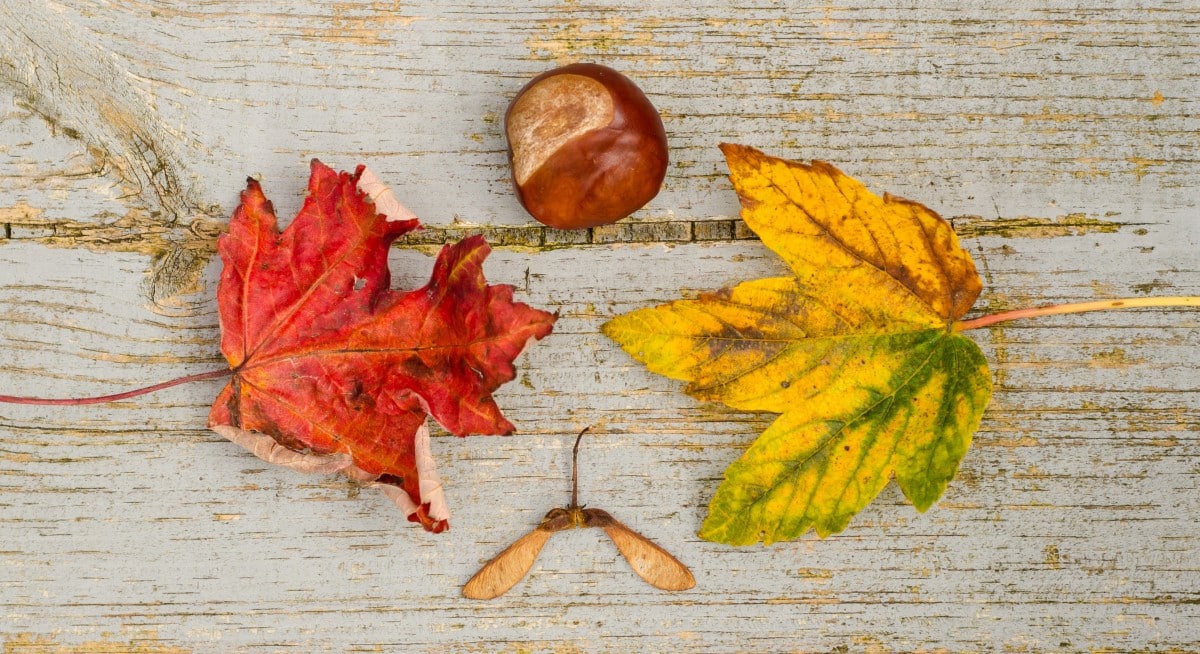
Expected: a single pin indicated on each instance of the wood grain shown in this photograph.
(1062, 140)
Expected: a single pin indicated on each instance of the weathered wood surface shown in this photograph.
(1063, 140)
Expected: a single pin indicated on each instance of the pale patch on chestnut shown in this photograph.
(550, 114)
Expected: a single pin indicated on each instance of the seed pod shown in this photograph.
(648, 560)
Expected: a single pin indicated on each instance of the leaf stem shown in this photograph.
(73, 401)
(575, 469)
(1080, 307)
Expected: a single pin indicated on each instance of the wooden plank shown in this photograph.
(984, 111)
(174, 531)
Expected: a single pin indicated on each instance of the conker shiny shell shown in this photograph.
(586, 146)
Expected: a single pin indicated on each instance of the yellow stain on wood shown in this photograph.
(1157, 99)
(1073, 224)
(136, 231)
(1114, 650)
(1053, 558)
(795, 116)
(27, 643)
(1009, 442)
(1153, 286)
(1141, 165)
(1114, 358)
(526, 647)
(1032, 472)
(871, 644)
(358, 23)
(1103, 289)
(563, 42)
(22, 213)
(814, 574)
(596, 32)
(815, 599)
(867, 41)
(1003, 43)
(1092, 168)
(1049, 114)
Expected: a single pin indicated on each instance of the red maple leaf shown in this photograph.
(335, 372)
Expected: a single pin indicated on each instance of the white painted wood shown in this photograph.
(126, 132)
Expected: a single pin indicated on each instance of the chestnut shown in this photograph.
(586, 146)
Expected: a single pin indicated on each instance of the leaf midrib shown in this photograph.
(319, 354)
(270, 334)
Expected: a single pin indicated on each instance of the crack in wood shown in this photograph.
(140, 232)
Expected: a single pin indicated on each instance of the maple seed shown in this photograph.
(651, 562)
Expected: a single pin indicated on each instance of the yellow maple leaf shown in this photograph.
(857, 352)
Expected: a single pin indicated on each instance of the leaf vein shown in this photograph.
(790, 466)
